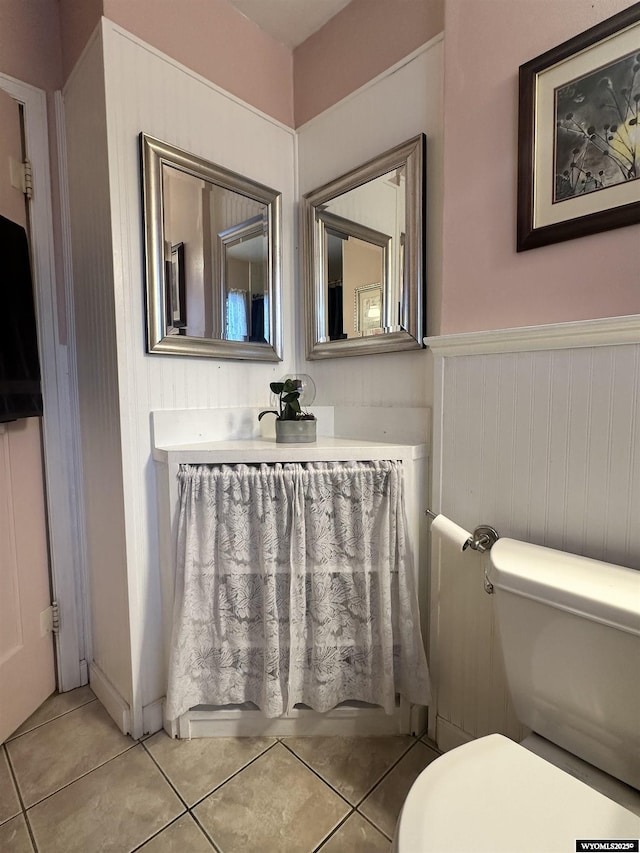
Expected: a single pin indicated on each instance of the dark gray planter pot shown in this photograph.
(295, 432)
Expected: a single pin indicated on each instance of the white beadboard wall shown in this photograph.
(396, 106)
(545, 447)
(120, 87)
(97, 361)
(177, 106)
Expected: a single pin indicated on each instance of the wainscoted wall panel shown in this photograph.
(178, 107)
(95, 334)
(394, 107)
(119, 88)
(544, 446)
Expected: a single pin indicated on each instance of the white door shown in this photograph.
(27, 670)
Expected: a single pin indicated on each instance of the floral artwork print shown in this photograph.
(597, 133)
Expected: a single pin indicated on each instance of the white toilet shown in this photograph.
(570, 635)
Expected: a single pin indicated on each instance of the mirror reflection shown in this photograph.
(363, 257)
(357, 277)
(212, 240)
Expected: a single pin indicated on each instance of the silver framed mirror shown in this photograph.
(213, 258)
(363, 257)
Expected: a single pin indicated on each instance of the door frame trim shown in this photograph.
(60, 430)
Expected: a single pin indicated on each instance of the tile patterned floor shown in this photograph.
(70, 782)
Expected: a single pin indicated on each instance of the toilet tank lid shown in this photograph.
(601, 591)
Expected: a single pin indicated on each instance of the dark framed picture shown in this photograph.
(177, 313)
(578, 135)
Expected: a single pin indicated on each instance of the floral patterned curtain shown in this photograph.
(294, 585)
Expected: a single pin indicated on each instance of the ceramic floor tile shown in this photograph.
(352, 765)
(55, 754)
(14, 836)
(113, 809)
(9, 803)
(183, 836)
(55, 706)
(356, 835)
(383, 805)
(198, 766)
(275, 805)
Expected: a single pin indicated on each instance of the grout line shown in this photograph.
(159, 832)
(206, 834)
(333, 831)
(371, 823)
(315, 773)
(369, 790)
(12, 779)
(81, 776)
(233, 775)
(23, 810)
(14, 736)
(14, 776)
(386, 773)
(30, 831)
(165, 776)
(374, 824)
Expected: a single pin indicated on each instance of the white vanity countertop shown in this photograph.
(325, 449)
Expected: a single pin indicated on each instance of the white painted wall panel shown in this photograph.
(384, 113)
(120, 88)
(177, 106)
(99, 404)
(543, 446)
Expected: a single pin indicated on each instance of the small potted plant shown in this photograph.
(293, 425)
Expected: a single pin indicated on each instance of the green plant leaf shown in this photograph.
(277, 387)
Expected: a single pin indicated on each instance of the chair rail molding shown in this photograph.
(608, 331)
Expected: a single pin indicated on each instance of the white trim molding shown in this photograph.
(450, 736)
(153, 717)
(609, 331)
(59, 461)
(113, 703)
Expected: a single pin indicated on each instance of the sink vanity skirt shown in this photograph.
(293, 593)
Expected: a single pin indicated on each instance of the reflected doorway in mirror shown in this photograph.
(377, 209)
(176, 292)
(213, 258)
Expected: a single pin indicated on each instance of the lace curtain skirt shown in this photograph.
(294, 584)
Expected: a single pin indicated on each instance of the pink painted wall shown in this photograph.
(30, 42)
(361, 41)
(78, 19)
(208, 36)
(486, 284)
(216, 41)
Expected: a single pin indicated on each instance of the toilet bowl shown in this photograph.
(570, 632)
(496, 796)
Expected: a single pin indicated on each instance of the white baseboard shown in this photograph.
(153, 717)
(84, 673)
(344, 721)
(418, 720)
(449, 736)
(110, 699)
